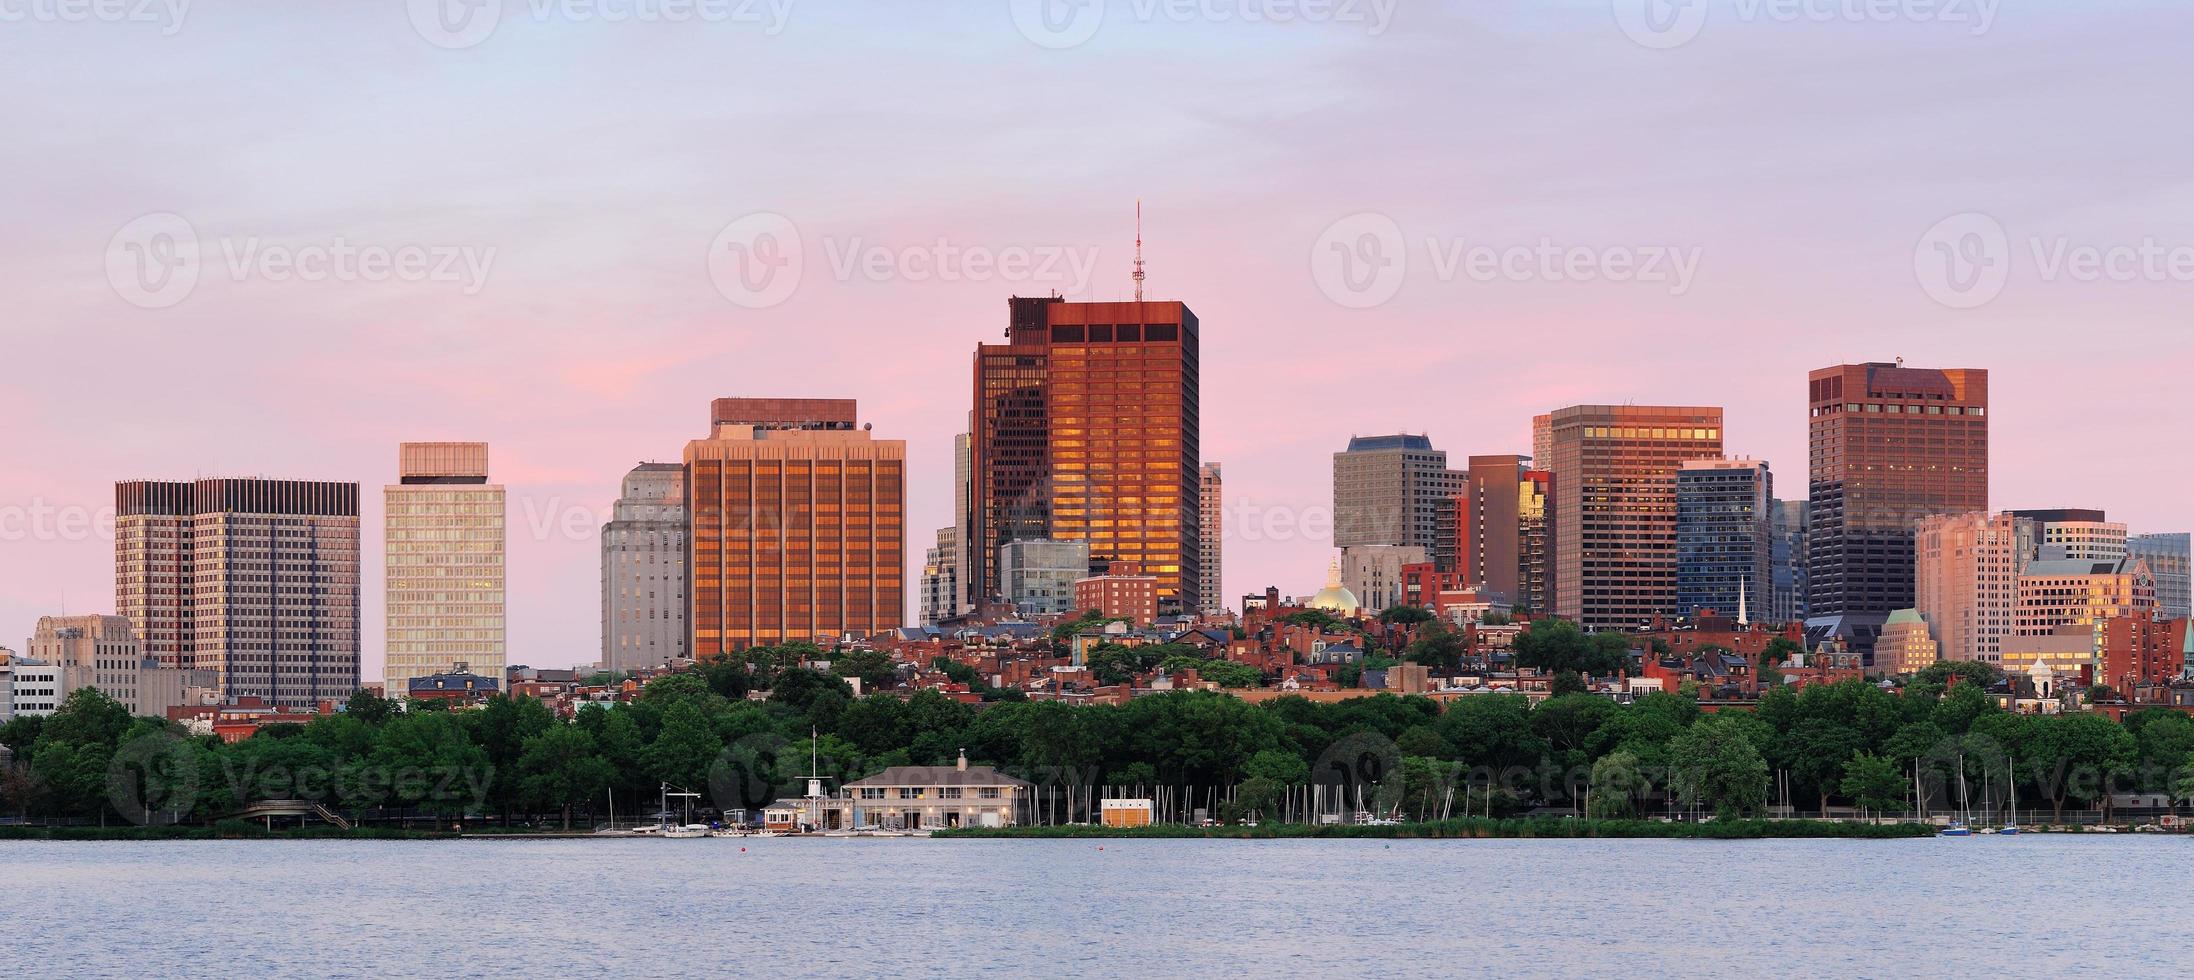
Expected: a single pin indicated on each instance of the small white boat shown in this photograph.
(687, 831)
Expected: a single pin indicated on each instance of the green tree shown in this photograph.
(876, 670)
(560, 767)
(2077, 756)
(1405, 615)
(1716, 766)
(688, 745)
(1617, 780)
(1875, 783)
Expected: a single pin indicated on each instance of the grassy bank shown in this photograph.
(225, 830)
(1479, 828)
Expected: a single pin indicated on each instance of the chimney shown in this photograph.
(963, 760)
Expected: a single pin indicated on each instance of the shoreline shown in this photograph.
(1468, 828)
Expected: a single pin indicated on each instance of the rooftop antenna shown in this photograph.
(1138, 250)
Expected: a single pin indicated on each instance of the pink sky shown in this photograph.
(1801, 163)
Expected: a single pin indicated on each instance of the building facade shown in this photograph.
(1614, 521)
(1373, 572)
(1967, 569)
(1499, 537)
(2142, 649)
(2067, 592)
(1389, 490)
(798, 526)
(644, 577)
(1789, 605)
(1906, 646)
(1037, 575)
(939, 599)
(2077, 535)
(255, 580)
(103, 652)
(1124, 591)
(444, 527)
(1086, 427)
(1889, 445)
(2167, 556)
(1725, 538)
(1210, 513)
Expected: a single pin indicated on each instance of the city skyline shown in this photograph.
(600, 328)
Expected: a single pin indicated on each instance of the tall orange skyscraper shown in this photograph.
(798, 526)
(1085, 428)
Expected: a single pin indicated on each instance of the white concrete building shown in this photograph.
(644, 570)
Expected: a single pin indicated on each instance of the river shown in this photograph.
(2024, 906)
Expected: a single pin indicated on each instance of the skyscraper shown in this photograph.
(2167, 557)
(254, 580)
(1615, 507)
(1496, 507)
(1790, 562)
(1211, 538)
(1890, 445)
(1389, 490)
(1725, 538)
(963, 521)
(1967, 572)
(941, 578)
(444, 525)
(798, 530)
(644, 570)
(1085, 428)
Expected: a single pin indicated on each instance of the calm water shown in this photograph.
(2020, 906)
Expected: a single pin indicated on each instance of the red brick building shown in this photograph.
(1122, 592)
(2138, 649)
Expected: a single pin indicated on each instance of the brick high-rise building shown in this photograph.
(254, 580)
(444, 527)
(2142, 648)
(1086, 428)
(797, 526)
(1499, 529)
(644, 579)
(1890, 445)
(1615, 507)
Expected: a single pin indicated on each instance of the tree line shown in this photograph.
(746, 731)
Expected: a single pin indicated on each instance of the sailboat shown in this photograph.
(666, 827)
(1958, 826)
(2011, 826)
